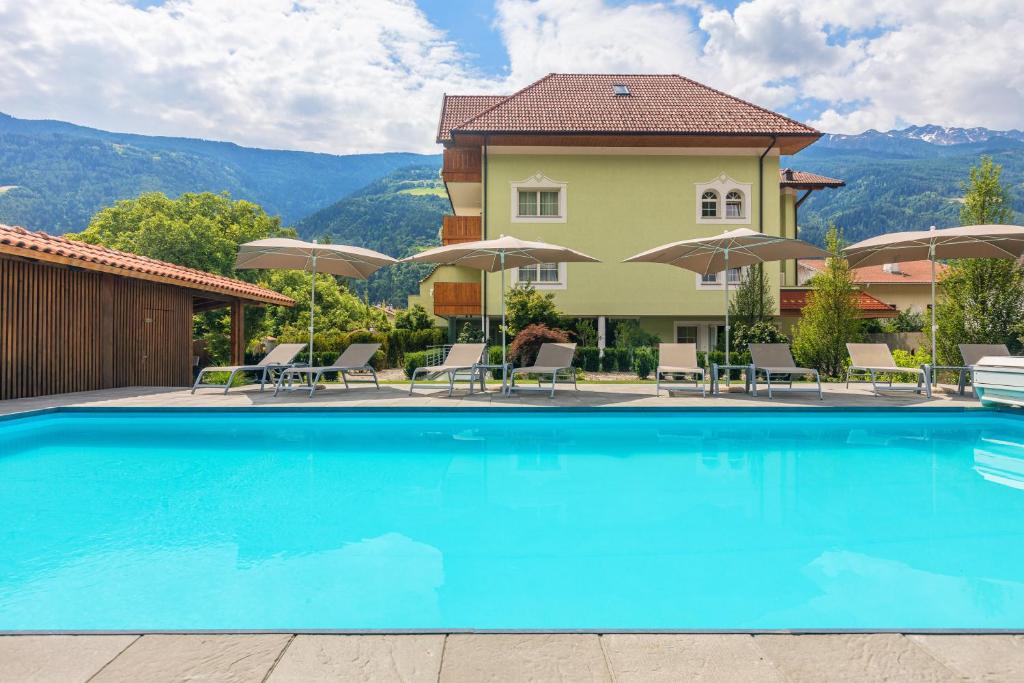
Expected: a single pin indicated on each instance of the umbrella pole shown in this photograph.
(726, 274)
(312, 303)
(934, 328)
(502, 257)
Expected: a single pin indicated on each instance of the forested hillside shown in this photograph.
(54, 176)
(398, 215)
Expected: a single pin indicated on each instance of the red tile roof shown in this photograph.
(457, 109)
(39, 245)
(660, 104)
(911, 272)
(792, 302)
(804, 180)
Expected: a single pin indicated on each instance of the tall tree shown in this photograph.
(831, 317)
(981, 300)
(753, 301)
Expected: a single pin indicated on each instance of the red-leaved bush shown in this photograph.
(524, 348)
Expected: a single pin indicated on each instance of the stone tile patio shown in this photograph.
(503, 657)
(623, 658)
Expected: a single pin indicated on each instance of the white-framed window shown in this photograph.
(734, 204)
(686, 334)
(723, 200)
(709, 204)
(539, 199)
(541, 275)
(533, 203)
(545, 273)
(716, 281)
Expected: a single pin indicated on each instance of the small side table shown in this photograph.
(748, 377)
(482, 370)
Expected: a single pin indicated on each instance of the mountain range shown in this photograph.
(54, 176)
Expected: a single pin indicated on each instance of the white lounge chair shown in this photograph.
(279, 359)
(356, 358)
(461, 358)
(678, 359)
(876, 359)
(552, 359)
(776, 360)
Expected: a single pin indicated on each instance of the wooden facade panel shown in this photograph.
(456, 298)
(459, 229)
(461, 165)
(65, 330)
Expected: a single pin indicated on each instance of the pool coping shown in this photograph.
(515, 631)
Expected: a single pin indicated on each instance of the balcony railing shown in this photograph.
(456, 299)
(461, 165)
(459, 229)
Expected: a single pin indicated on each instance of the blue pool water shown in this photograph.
(512, 520)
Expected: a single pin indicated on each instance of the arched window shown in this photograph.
(709, 204)
(734, 205)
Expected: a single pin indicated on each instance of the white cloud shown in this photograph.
(367, 75)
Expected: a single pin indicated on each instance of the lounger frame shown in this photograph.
(541, 370)
(453, 371)
(923, 374)
(264, 370)
(315, 374)
(684, 354)
(782, 370)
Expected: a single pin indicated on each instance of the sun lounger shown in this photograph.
(678, 359)
(971, 354)
(356, 358)
(461, 358)
(876, 359)
(776, 360)
(281, 358)
(552, 359)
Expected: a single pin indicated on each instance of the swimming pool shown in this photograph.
(519, 519)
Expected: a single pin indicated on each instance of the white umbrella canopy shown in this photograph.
(499, 255)
(967, 241)
(731, 249)
(282, 253)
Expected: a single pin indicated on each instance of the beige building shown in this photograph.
(904, 286)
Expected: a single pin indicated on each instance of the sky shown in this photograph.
(349, 76)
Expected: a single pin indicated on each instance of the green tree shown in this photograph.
(981, 300)
(831, 318)
(751, 310)
(200, 231)
(413, 318)
(525, 306)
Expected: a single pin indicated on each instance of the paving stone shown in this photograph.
(664, 657)
(852, 657)
(207, 658)
(537, 658)
(408, 659)
(56, 658)
(978, 658)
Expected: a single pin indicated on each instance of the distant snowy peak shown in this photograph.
(932, 134)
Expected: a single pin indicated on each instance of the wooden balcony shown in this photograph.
(461, 165)
(459, 229)
(456, 299)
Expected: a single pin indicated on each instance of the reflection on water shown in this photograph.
(999, 460)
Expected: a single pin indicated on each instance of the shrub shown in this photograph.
(366, 337)
(645, 360)
(526, 306)
(470, 334)
(588, 358)
(413, 318)
(413, 360)
(616, 359)
(586, 333)
(523, 349)
(763, 332)
(628, 335)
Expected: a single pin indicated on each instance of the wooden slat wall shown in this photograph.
(64, 330)
(459, 229)
(456, 298)
(461, 165)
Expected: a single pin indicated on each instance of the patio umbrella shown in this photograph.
(969, 241)
(499, 255)
(288, 254)
(731, 249)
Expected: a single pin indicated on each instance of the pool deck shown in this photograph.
(503, 657)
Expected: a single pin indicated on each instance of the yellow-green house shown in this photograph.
(612, 165)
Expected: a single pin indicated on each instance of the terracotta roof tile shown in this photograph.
(457, 109)
(802, 179)
(911, 272)
(17, 241)
(792, 301)
(586, 103)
